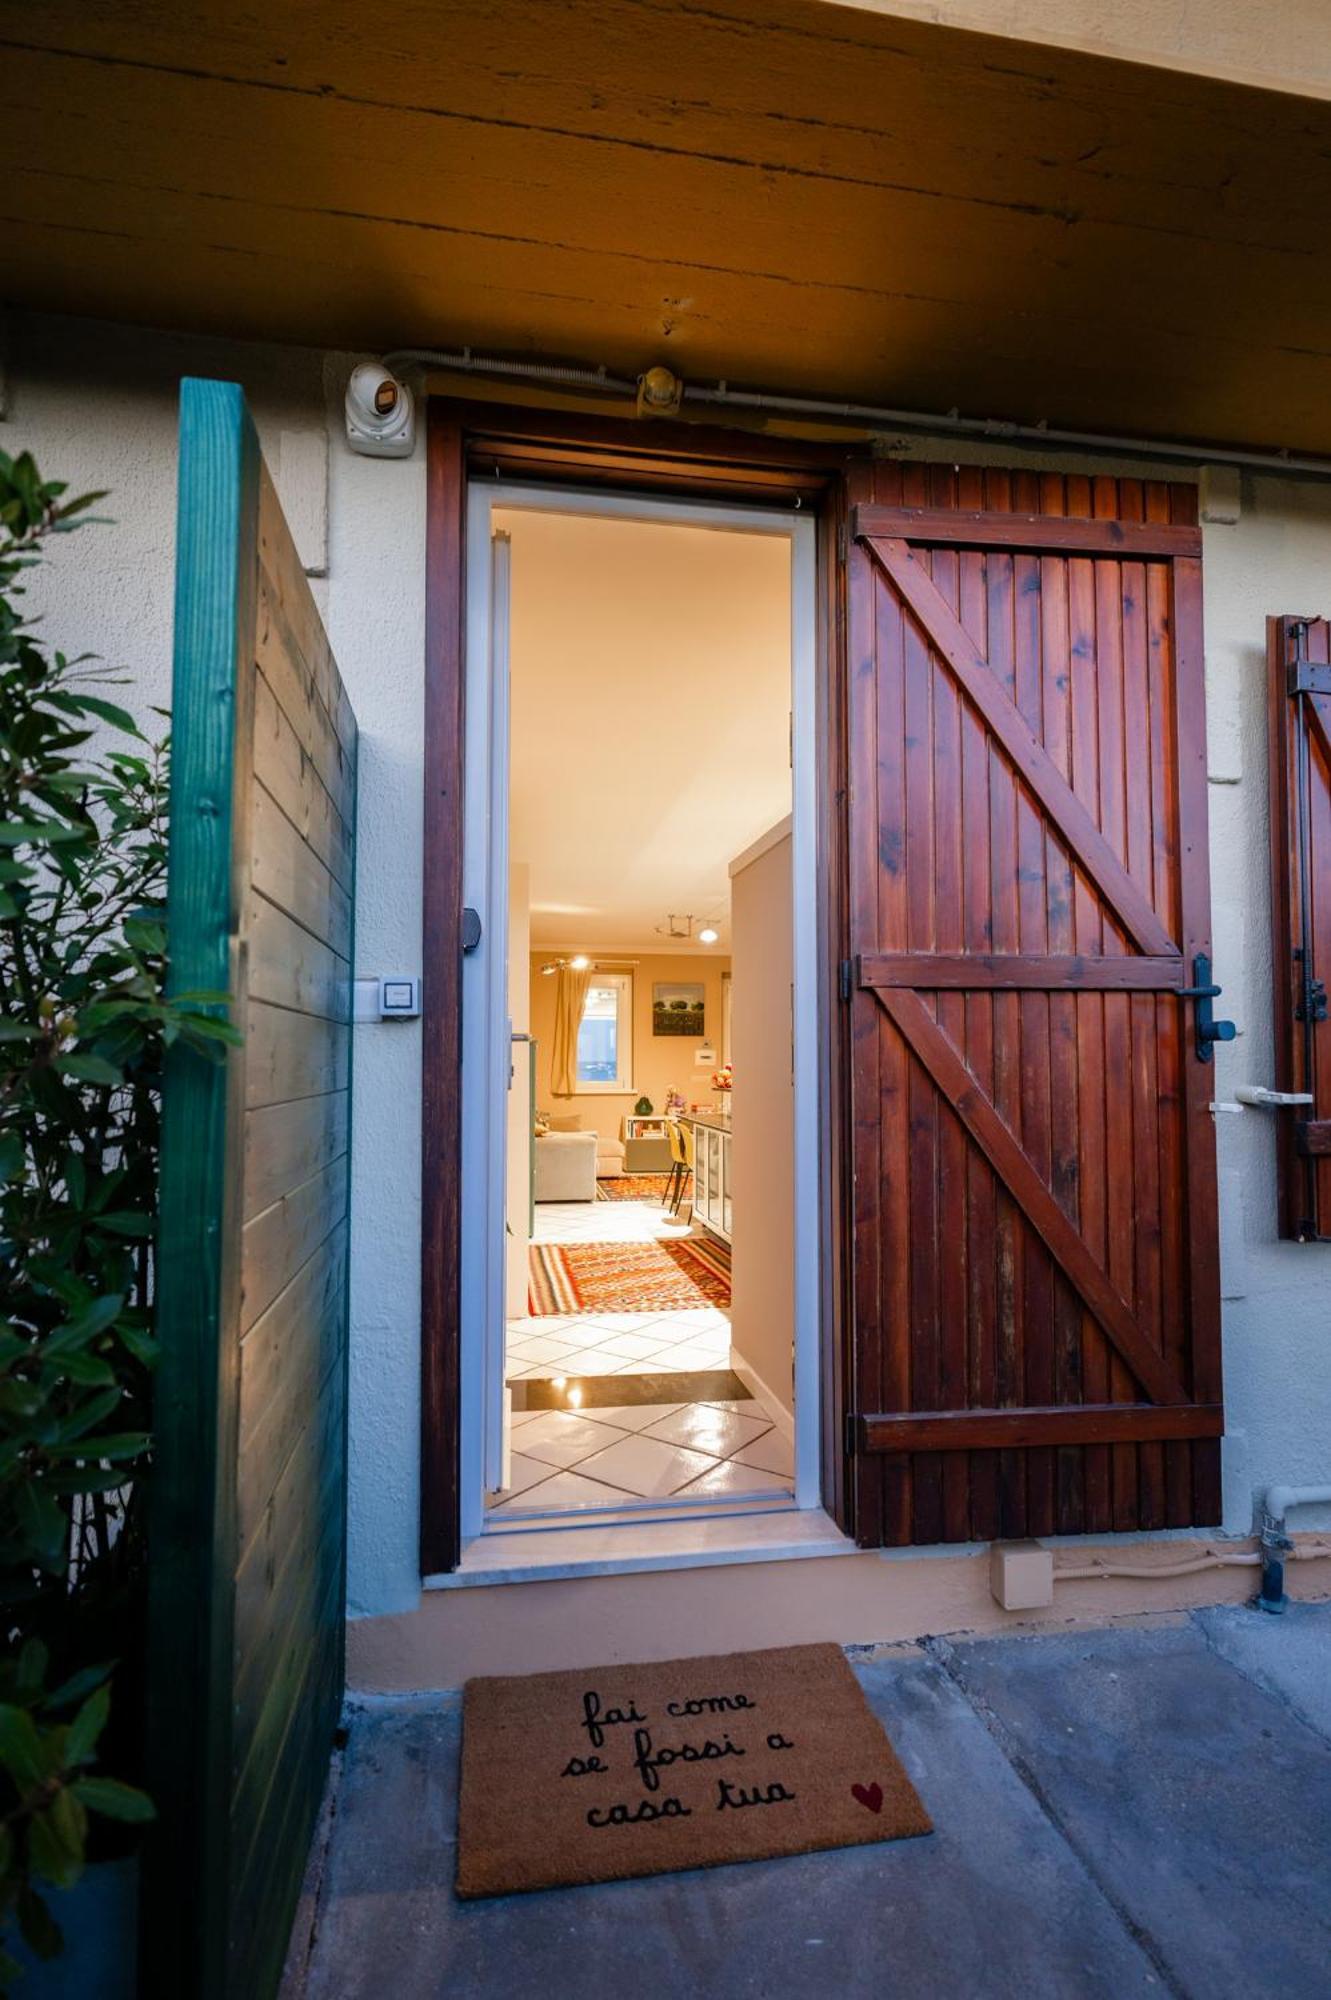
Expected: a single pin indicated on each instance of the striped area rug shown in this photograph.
(634, 1187)
(621, 1277)
(706, 1260)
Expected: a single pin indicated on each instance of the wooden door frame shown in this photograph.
(690, 462)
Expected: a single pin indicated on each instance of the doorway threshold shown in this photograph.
(587, 1548)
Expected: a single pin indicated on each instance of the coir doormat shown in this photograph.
(599, 1774)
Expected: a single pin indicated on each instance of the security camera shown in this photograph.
(381, 416)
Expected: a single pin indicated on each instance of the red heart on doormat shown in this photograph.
(869, 1795)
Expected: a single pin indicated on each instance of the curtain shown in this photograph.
(570, 999)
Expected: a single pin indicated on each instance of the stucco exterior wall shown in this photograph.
(97, 405)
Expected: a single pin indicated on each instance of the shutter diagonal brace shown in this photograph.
(947, 1068)
(1036, 768)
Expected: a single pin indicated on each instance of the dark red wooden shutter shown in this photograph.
(1298, 651)
(1036, 1343)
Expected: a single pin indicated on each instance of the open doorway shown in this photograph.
(640, 1291)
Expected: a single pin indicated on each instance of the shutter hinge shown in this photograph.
(845, 978)
(1312, 992)
(851, 1439)
(842, 547)
(1308, 676)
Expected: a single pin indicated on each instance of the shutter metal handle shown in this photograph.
(471, 929)
(1207, 1030)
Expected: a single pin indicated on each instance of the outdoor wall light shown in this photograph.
(380, 413)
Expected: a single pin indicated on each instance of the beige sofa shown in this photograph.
(566, 1166)
(609, 1153)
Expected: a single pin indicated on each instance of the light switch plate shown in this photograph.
(399, 997)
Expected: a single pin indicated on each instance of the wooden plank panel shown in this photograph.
(1092, 933)
(285, 770)
(978, 1035)
(285, 595)
(281, 1584)
(921, 1165)
(1060, 891)
(191, 1495)
(293, 1055)
(948, 932)
(1034, 1261)
(441, 1023)
(284, 1359)
(1034, 838)
(526, 201)
(286, 1143)
(1030, 532)
(278, 1241)
(292, 969)
(293, 687)
(979, 971)
(1038, 1428)
(270, 1465)
(290, 874)
(1064, 807)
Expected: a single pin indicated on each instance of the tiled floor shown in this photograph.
(612, 1456)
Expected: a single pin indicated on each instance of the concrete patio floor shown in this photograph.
(1139, 1809)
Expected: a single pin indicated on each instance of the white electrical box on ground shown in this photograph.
(1021, 1575)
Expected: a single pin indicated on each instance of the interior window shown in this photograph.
(605, 1037)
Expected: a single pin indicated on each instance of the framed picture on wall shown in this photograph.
(679, 1008)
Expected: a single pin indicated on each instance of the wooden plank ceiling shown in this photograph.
(793, 195)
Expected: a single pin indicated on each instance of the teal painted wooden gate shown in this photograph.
(247, 1553)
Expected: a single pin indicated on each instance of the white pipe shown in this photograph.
(1208, 1558)
(873, 416)
(1279, 1499)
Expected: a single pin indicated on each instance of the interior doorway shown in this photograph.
(641, 1159)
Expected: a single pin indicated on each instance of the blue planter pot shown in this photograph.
(99, 1918)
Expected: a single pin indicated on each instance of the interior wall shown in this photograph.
(658, 1060)
(762, 1139)
(520, 1138)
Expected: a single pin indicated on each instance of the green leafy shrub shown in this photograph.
(84, 1022)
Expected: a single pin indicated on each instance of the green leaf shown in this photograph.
(145, 934)
(20, 1747)
(125, 1222)
(43, 1525)
(36, 833)
(85, 1369)
(85, 1418)
(88, 1069)
(12, 1157)
(117, 1447)
(76, 1687)
(115, 1800)
(86, 1325)
(19, 1031)
(31, 1666)
(78, 704)
(87, 1726)
(56, 1837)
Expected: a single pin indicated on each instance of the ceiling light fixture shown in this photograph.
(580, 962)
(676, 927)
(708, 934)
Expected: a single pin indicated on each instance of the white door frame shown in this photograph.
(485, 1043)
